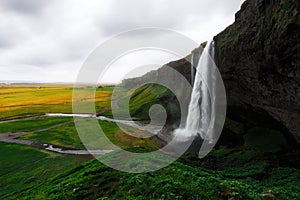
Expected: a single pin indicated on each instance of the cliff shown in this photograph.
(258, 57)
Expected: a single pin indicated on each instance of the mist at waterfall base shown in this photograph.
(200, 110)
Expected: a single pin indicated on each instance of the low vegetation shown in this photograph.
(23, 166)
(184, 179)
(17, 101)
(32, 124)
(67, 136)
(142, 99)
(246, 171)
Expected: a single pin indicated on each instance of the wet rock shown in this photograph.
(259, 59)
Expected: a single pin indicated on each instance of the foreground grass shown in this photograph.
(22, 166)
(93, 180)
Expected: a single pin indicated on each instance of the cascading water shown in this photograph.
(201, 107)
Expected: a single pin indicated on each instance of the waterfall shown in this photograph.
(192, 68)
(201, 104)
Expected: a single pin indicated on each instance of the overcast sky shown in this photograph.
(48, 40)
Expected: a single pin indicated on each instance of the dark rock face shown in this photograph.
(259, 59)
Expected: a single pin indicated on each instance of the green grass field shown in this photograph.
(29, 173)
(67, 136)
(17, 101)
(22, 166)
(32, 124)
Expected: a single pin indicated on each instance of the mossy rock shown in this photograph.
(265, 140)
(234, 126)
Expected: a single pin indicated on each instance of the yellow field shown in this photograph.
(28, 100)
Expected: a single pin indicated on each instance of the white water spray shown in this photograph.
(201, 107)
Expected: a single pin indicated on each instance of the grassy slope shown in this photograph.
(246, 180)
(142, 99)
(22, 166)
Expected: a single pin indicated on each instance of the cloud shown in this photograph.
(25, 6)
(4, 42)
(172, 14)
(52, 35)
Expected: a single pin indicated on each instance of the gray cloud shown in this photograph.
(4, 43)
(40, 62)
(133, 14)
(56, 36)
(24, 6)
(172, 14)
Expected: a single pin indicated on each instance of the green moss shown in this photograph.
(239, 158)
(256, 169)
(234, 126)
(266, 140)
